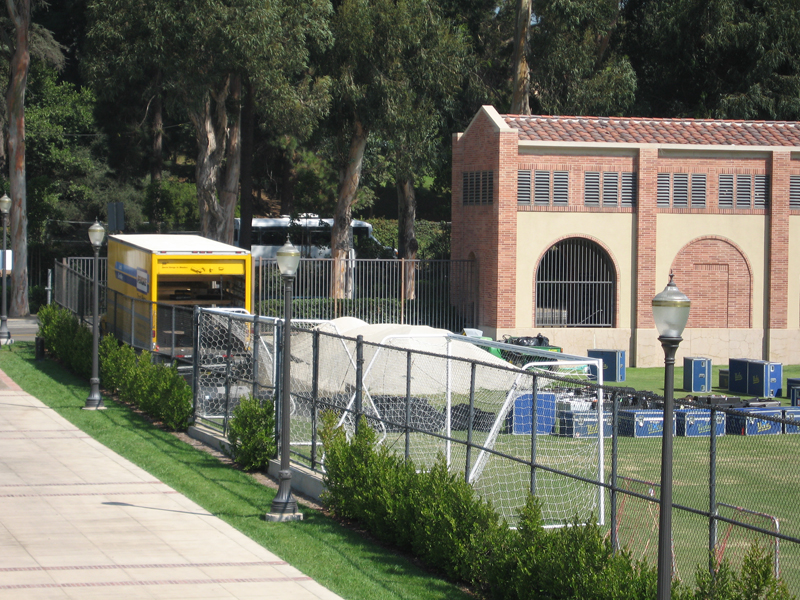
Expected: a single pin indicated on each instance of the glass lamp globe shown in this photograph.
(96, 234)
(671, 310)
(288, 259)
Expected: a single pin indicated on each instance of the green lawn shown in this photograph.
(338, 558)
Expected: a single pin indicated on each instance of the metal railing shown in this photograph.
(734, 482)
(438, 293)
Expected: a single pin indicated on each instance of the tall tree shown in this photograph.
(19, 11)
(575, 67)
(715, 58)
(520, 99)
(202, 51)
(391, 61)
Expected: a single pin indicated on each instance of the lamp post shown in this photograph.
(5, 334)
(284, 506)
(95, 400)
(670, 313)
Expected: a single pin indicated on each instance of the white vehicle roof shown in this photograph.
(177, 244)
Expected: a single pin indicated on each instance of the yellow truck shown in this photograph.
(155, 281)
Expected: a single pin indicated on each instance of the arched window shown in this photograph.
(576, 286)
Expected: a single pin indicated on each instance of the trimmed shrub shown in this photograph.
(251, 433)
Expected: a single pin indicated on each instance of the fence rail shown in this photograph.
(439, 293)
(589, 451)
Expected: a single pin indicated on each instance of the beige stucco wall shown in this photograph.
(537, 231)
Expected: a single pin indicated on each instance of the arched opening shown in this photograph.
(576, 286)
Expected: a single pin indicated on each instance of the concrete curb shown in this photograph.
(304, 480)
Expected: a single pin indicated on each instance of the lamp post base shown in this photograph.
(284, 506)
(95, 399)
(6, 341)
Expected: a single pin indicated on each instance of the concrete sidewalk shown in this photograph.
(79, 521)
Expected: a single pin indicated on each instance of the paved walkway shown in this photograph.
(79, 521)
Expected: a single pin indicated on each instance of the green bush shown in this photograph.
(251, 433)
(158, 390)
(437, 516)
(67, 339)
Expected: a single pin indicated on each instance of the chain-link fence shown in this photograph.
(589, 451)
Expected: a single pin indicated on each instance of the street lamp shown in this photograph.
(95, 400)
(5, 334)
(670, 313)
(284, 506)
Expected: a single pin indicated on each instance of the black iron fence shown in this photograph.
(438, 293)
(590, 452)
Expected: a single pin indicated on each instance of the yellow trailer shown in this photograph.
(148, 275)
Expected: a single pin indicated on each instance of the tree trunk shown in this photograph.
(348, 189)
(229, 193)
(288, 181)
(156, 155)
(406, 239)
(246, 206)
(520, 98)
(216, 143)
(19, 12)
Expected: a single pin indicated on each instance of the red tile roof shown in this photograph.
(655, 131)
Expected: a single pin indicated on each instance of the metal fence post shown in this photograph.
(408, 405)
(228, 351)
(359, 382)
(195, 357)
(470, 420)
(256, 343)
(614, 458)
(712, 491)
(533, 433)
(278, 348)
(314, 395)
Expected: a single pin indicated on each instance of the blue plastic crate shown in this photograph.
(737, 375)
(581, 424)
(791, 414)
(613, 364)
(545, 413)
(696, 422)
(764, 379)
(745, 421)
(696, 374)
(643, 423)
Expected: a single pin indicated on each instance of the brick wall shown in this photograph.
(778, 285)
(716, 277)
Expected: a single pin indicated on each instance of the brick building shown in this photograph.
(576, 223)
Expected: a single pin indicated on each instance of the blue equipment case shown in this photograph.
(613, 364)
(764, 379)
(696, 374)
(581, 424)
(643, 423)
(696, 422)
(737, 375)
(745, 421)
(545, 413)
(791, 382)
(791, 414)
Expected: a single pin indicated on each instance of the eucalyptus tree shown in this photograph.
(575, 65)
(395, 64)
(25, 40)
(715, 58)
(197, 54)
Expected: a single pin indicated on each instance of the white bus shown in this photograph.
(315, 236)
